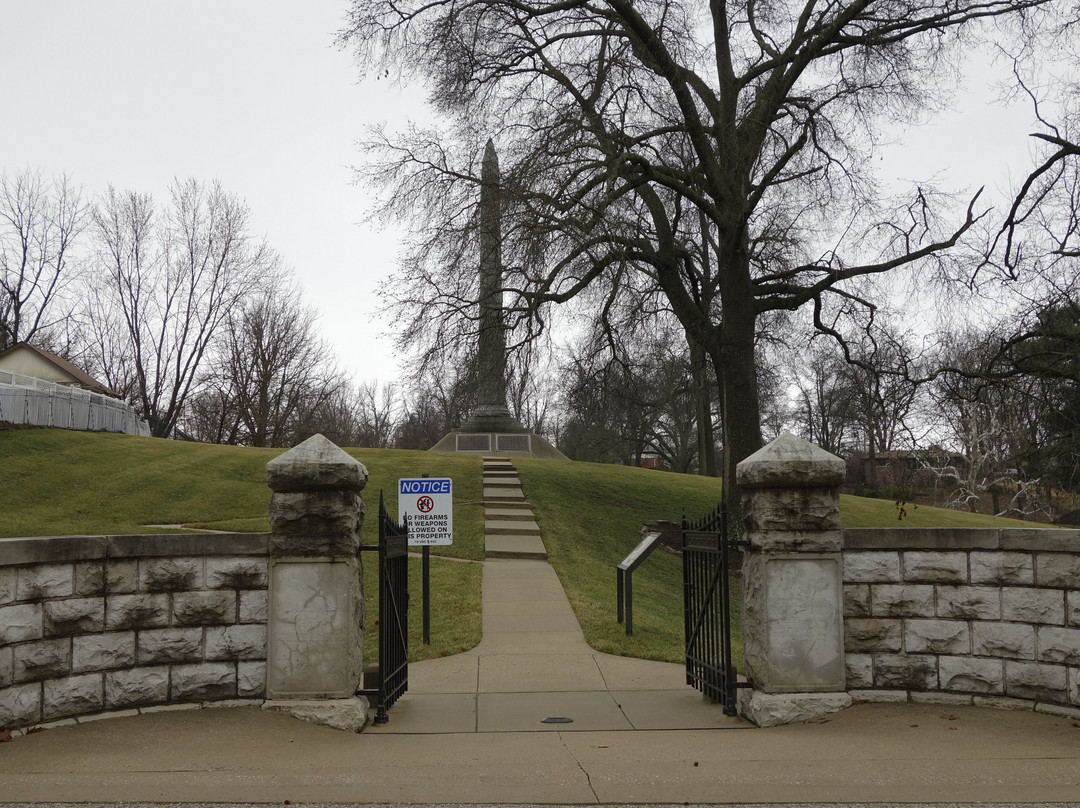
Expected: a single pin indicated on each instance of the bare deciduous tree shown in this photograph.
(169, 278)
(634, 133)
(40, 221)
(275, 366)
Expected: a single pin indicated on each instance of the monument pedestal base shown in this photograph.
(491, 430)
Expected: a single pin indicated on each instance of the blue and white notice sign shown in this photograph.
(426, 506)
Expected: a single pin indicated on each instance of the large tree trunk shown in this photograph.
(706, 444)
(740, 417)
(736, 370)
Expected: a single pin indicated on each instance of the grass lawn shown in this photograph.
(57, 482)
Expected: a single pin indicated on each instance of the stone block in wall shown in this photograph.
(1036, 681)
(1059, 644)
(236, 642)
(251, 680)
(89, 578)
(1058, 569)
(969, 602)
(856, 600)
(44, 659)
(7, 665)
(21, 622)
(204, 608)
(937, 637)
(137, 611)
(1005, 640)
(1025, 604)
(315, 523)
(902, 600)
(950, 699)
(74, 616)
(905, 672)
(1002, 703)
(966, 674)
(208, 681)
(73, 695)
(8, 576)
(860, 670)
(874, 566)
(20, 705)
(170, 645)
(236, 573)
(795, 541)
(135, 687)
(41, 581)
(1002, 568)
(935, 567)
(170, 574)
(872, 635)
(122, 576)
(793, 509)
(253, 606)
(101, 652)
(1072, 607)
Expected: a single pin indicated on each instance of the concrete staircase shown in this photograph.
(510, 529)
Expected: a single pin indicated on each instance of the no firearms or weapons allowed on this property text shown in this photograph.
(426, 507)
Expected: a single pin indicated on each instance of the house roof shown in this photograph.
(78, 376)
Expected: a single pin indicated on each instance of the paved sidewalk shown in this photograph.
(533, 664)
(471, 730)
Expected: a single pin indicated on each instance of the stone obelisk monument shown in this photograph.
(490, 428)
(491, 413)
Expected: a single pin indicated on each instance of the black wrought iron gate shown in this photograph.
(707, 607)
(393, 614)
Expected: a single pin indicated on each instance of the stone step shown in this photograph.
(510, 512)
(525, 547)
(510, 528)
(502, 491)
(492, 474)
(506, 482)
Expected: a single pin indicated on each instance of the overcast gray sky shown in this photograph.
(252, 92)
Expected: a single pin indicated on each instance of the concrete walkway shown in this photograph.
(533, 670)
(471, 730)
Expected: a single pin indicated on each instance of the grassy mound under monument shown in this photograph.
(57, 482)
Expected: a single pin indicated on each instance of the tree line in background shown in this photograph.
(201, 327)
(175, 306)
(701, 184)
(699, 251)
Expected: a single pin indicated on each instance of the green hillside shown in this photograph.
(57, 482)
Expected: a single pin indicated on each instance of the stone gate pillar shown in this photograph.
(792, 613)
(315, 635)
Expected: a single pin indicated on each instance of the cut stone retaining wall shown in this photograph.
(100, 624)
(964, 616)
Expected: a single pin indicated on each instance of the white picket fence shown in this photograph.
(26, 400)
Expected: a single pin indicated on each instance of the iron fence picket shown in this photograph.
(707, 607)
(393, 613)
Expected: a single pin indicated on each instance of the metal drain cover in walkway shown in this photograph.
(556, 720)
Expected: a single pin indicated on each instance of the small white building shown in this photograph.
(29, 360)
(40, 388)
